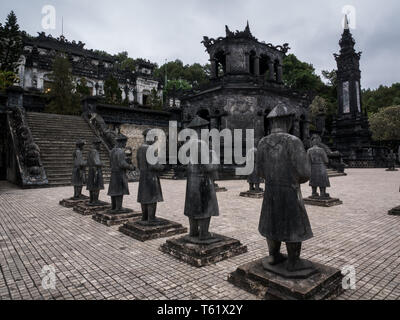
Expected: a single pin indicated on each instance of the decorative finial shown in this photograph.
(346, 22)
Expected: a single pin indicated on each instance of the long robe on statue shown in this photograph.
(78, 172)
(119, 180)
(95, 180)
(319, 160)
(149, 182)
(201, 199)
(284, 164)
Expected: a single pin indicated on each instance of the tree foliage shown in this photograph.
(7, 79)
(82, 88)
(62, 96)
(10, 44)
(385, 124)
(113, 93)
(381, 97)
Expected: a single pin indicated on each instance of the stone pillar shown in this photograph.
(257, 65)
(271, 71)
(15, 97)
(247, 61)
(279, 73)
(213, 68)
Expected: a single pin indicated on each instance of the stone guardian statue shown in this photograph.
(149, 193)
(78, 172)
(95, 181)
(119, 181)
(319, 175)
(283, 163)
(201, 201)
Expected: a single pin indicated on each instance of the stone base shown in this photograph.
(216, 249)
(392, 170)
(71, 203)
(144, 231)
(395, 211)
(113, 219)
(322, 202)
(85, 209)
(252, 194)
(324, 284)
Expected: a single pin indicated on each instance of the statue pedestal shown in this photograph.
(392, 170)
(252, 194)
(220, 189)
(71, 203)
(322, 202)
(144, 231)
(85, 209)
(325, 283)
(200, 254)
(113, 219)
(395, 211)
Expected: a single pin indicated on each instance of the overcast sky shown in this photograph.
(169, 29)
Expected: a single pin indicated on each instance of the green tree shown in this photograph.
(82, 88)
(62, 96)
(300, 75)
(10, 44)
(385, 124)
(7, 79)
(125, 62)
(381, 97)
(112, 91)
(154, 100)
(319, 105)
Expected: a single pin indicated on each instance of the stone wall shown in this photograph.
(135, 136)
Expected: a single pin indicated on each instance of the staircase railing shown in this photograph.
(26, 151)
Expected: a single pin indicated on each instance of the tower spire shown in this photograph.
(346, 22)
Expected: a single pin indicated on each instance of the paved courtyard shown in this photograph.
(93, 261)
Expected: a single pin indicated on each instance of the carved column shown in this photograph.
(213, 68)
(257, 65)
(271, 71)
(279, 73)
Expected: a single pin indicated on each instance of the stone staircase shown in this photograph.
(56, 136)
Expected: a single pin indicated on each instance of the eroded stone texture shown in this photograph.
(322, 202)
(200, 254)
(85, 209)
(110, 219)
(325, 283)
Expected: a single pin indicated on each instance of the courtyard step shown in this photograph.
(56, 136)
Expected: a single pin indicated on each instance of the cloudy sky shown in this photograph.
(171, 29)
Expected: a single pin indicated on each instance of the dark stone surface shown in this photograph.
(395, 211)
(110, 219)
(322, 202)
(391, 169)
(217, 249)
(86, 209)
(252, 194)
(70, 203)
(144, 230)
(220, 189)
(324, 284)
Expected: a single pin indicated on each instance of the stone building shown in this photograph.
(39, 53)
(246, 84)
(350, 131)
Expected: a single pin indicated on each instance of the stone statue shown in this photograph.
(319, 176)
(201, 201)
(119, 181)
(283, 163)
(254, 179)
(95, 181)
(149, 193)
(78, 172)
(391, 160)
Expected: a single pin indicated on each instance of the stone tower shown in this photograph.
(351, 134)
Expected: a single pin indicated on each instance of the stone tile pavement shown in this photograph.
(93, 261)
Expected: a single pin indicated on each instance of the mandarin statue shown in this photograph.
(78, 171)
(201, 201)
(283, 163)
(95, 181)
(118, 187)
(319, 175)
(150, 192)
